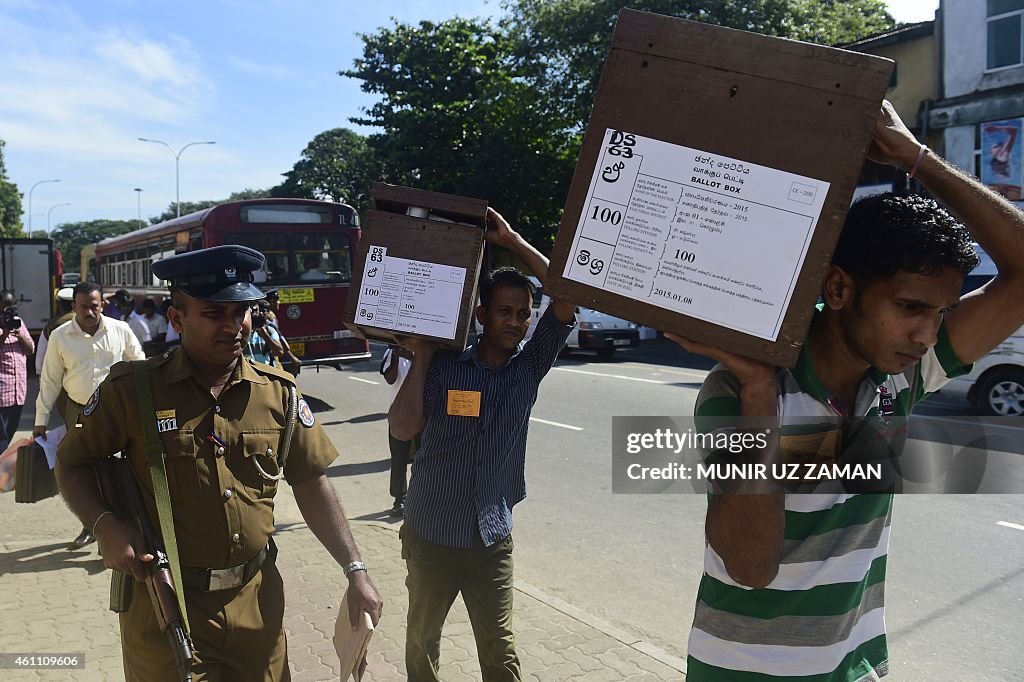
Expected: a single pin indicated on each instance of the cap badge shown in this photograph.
(230, 273)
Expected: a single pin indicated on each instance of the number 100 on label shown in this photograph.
(603, 220)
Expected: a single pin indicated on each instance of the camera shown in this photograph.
(9, 318)
(259, 318)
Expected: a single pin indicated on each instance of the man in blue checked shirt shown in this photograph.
(473, 409)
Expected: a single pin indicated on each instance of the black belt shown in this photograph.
(213, 579)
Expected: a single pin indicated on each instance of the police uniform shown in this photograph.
(223, 506)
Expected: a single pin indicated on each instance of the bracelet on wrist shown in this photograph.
(921, 153)
(98, 519)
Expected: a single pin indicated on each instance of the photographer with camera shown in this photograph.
(264, 343)
(15, 347)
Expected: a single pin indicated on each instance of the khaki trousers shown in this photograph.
(484, 577)
(237, 635)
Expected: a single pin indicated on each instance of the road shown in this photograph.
(956, 566)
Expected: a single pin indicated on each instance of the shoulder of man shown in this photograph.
(272, 372)
(124, 368)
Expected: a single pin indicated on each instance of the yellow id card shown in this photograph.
(464, 403)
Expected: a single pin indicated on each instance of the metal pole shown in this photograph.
(48, 217)
(177, 170)
(32, 189)
(138, 193)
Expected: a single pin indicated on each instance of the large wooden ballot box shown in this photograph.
(417, 266)
(713, 181)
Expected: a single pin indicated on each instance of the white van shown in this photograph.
(602, 333)
(996, 383)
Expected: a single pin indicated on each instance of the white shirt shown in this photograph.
(79, 362)
(137, 323)
(157, 325)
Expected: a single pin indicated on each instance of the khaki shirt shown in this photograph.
(223, 508)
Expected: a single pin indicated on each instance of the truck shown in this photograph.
(30, 268)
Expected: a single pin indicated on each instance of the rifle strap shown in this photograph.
(158, 473)
(289, 428)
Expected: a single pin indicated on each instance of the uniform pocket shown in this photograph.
(260, 462)
(182, 466)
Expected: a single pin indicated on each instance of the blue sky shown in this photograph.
(80, 82)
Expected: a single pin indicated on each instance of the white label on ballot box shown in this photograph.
(702, 234)
(410, 295)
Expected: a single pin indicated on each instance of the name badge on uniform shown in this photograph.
(464, 403)
(166, 421)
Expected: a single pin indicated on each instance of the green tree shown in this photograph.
(71, 237)
(337, 165)
(457, 114)
(10, 202)
(566, 41)
(193, 206)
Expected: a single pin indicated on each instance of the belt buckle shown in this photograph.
(226, 578)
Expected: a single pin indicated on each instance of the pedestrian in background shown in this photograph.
(65, 300)
(79, 356)
(15, 347)
(394, 367)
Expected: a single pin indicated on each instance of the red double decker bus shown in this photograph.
(309, 246)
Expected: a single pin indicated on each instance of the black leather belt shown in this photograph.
(213, 579)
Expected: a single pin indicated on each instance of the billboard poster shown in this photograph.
(1001, 157)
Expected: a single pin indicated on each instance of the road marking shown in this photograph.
(365, 381)
(564, 426)
(1011, 525)
(693, 374)
(611, 376)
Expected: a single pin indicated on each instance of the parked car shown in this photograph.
(995, 385)
(602, 333)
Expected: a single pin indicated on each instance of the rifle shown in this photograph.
(122, 495)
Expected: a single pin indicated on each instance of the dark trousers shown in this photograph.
(437, 574)
(10, 417)
(402, 452)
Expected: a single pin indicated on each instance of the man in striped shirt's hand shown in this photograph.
(473, 408)
(793, 585)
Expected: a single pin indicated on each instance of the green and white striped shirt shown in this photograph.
(821, 618)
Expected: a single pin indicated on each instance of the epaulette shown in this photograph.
(124, 368)
(267, 370)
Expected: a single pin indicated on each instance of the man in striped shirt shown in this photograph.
(473, 409)
(793, 584)
(15, 347)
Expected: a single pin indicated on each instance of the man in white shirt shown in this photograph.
(126, 304)
(78, 358)
(155, 321)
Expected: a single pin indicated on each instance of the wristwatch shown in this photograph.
(354, 566)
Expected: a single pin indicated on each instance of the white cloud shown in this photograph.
(255, 68)
(71, 89)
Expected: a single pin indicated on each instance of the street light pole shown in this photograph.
(138, 193)
(32, 189)
(48, 217)
(177, 174)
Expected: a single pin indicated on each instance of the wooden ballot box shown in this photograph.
(417, 266)
(713, 181)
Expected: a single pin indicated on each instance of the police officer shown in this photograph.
(221, 421)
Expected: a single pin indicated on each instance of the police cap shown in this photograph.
(221, 274)
(66, 294)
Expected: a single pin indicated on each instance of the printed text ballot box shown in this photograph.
(713, 181)
(416, 275)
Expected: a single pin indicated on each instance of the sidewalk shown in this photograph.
(54, 601)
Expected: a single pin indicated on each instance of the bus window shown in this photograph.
(319, 255)
(274, 246)
(281, 213)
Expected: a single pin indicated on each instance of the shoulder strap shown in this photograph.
(158, 473)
